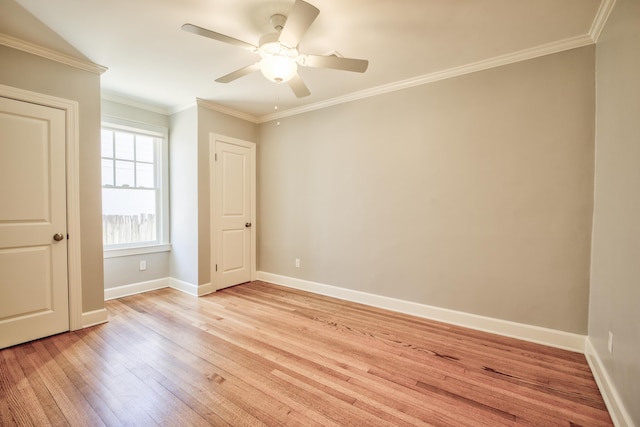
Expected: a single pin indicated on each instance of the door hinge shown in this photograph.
(216, 267)
(216, 157)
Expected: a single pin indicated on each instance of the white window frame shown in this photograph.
(162, 177)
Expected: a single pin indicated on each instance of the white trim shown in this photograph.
(161, 162)
(182, 286)
(213, 139)
(136, 288)
(74, 248)
(74, 252)
(152, 285)
(140, 250)
(134, 126)
(601, 19)
(185, 107)
(497, 61)
(546, 49)
(617, 410)
(113, 97)
(95, 317)
(206, 289)
(536, 334)
(227, 110)
(51, 54)
(190, 288)
(509, 58)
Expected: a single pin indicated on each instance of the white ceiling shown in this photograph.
(151, 60)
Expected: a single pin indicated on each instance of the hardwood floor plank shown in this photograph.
(141, 403)
(307, 363)
(177, 363)
(22, 401)
(49, 406)
(70, 401)
(206, 347)
(203, 348)
(575, 391)
(166, 396)
(260, 354)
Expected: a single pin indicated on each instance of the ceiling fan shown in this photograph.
(279, 52)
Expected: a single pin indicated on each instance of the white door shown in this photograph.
(233, 238)
(33, 224)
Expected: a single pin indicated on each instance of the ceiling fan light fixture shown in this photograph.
(278, 69)
(278, 62)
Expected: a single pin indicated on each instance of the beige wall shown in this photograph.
(125, 270)
(30, 72)
(473, 194)
(183, 205)
(615, 268)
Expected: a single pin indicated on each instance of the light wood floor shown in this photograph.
(259, 354)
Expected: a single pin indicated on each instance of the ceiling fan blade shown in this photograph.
(190, 28)
(300, 18)
(239, 73)
(299, 88)
(335, 62)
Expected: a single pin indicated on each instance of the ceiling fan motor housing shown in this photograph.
(278, 21)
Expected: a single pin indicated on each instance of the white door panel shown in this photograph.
(233, 244)
(33, 266)
(233, 212)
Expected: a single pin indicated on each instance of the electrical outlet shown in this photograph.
(143, 265)
(297, 262)
(610, 343)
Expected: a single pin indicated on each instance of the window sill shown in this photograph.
(140, 250)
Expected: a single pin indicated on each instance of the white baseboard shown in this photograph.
(152, 285)
(190, 288)
(205, 289)
(136, 288)
(536, 334)
(95, 317)
(182, 286)
(617, 410)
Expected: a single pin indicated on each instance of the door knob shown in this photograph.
(58, 236)
(247, 224)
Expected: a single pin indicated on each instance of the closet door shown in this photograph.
(33, 222)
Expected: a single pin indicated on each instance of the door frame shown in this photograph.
(213, 138)
(72, 145)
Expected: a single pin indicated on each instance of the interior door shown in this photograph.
(33, 229)
(233, 237)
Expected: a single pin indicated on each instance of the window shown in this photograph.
(134, 186)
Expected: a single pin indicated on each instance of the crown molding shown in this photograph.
(113, 97)
(182, 108)
(601, 19)
(227, 110)
(510, 58)
(51, 54)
